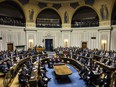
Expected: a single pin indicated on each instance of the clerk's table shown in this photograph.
(62, 69)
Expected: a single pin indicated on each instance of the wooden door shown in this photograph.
(84, 44)
(49, 44)
(10, 46)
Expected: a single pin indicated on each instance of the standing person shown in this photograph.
(71, 53)
(4, 68)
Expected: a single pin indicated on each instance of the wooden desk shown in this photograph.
(33, 79)
(40, 49)
(109, 68)
(62, 69)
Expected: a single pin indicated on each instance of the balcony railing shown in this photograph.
(85, 23)
(11, 21)
(48, 23)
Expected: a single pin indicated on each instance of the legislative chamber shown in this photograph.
(57, 43)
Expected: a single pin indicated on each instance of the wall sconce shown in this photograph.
(66, 42)
(30, 43)
(104, 44)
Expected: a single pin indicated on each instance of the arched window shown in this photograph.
(48, 18)
(85, 17)
(11, 14)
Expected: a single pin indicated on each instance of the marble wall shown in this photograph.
(66, 37)
(15, 35)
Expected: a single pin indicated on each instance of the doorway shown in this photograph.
(10, 46)
(49, 44)
(84, 45)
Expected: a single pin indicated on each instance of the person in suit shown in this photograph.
(113, 64)
(43, 78)
(4, 67)
(24, 76)
(89, 77)
(78, 57)
(23, 79)
(107, 79)
(50, 63)
(82, 71)
(101, 79)
(42, 67)
(9, 63)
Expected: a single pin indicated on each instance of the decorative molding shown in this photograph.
(66, 30)
(48, 34)
(104, 28)
(30, 29)
(11, 27)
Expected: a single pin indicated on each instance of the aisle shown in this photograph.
(1, 81)
(15, 82)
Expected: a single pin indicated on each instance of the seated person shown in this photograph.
(57, 59)
(42, 67)
(113, 64)
(1, 57)
(89, 77)
(104, 61)
(78, 57)
(42, 73)
(86, 54)
(4, 67)
(82, 71)
(50, 63)
(23, 78)
(97, 69)
(101, 79)
(9, 63)
(25, 71)
(44, 79)
(106, 54)
(107, 79)
(53, 59)
(108, 60)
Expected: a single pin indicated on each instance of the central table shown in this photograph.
(62, 69)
